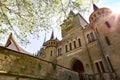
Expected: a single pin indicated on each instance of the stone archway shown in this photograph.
(78, 67)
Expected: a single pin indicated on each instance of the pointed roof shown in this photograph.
(71, 13)
(11, 44)
(56, 39)
(95, 7)
(52, 35)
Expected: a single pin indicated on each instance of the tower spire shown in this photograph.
(52, 35)
(95, 7)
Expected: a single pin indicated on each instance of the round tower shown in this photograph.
(51, 48)
(100, 18)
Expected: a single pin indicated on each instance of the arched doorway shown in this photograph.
(78, 67)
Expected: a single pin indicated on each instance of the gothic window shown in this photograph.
(74, 44)
(79, 42)
(107, 40)
(70, 45)
(66, 48)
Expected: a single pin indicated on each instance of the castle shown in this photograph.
(90, 49)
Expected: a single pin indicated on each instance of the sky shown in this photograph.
(36, 44)
(112, 4)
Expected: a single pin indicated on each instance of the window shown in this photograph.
(74, 44)
(88, 37)
(51, 53)
(92, 36)
(79, 42)
(107, 40)
(59, 51)
(107, 24)
(70, 46)
(66, 48)
(100, 67)
(109, 62)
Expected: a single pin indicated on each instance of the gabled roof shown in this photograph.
(11, 44)
(71, 13)
(82, 20)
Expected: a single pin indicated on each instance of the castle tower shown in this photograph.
(51, 48)
(103, 22)
(100, 15)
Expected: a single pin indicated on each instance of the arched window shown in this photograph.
(100, 66)
(59, 51)
(66, 48)
(74, 44)
(51, 53)
(88, 37)
(92, 36)
(79, 41)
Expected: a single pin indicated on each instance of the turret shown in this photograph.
(51, 48)
(52, 42)
(99, 15)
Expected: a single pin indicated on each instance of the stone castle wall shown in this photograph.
(21, 64)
